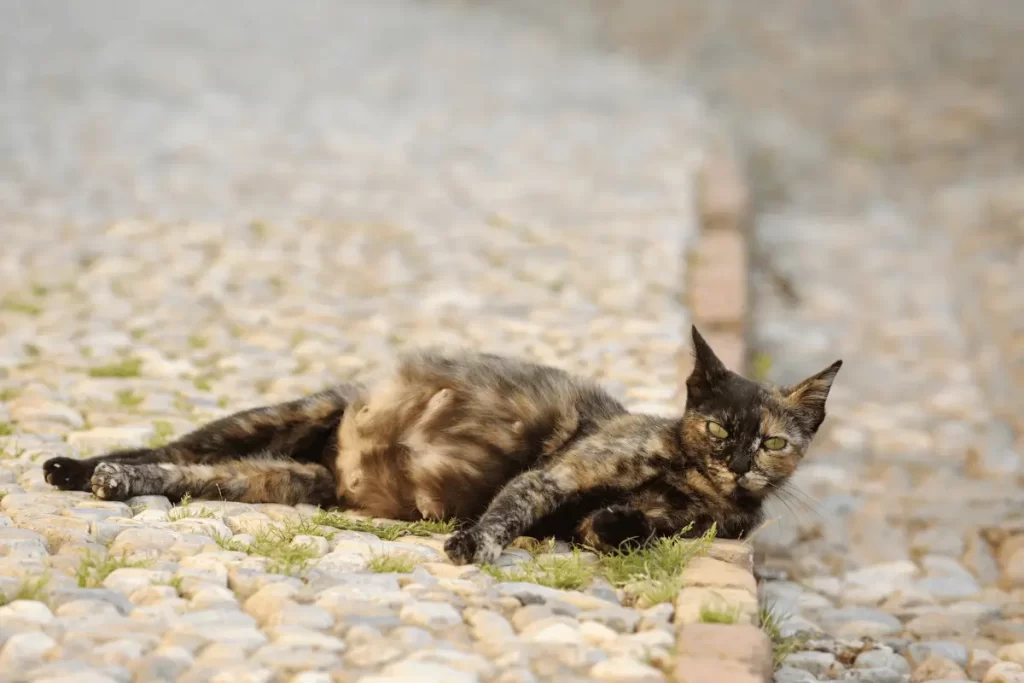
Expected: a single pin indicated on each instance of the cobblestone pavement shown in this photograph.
(211, 209)
(884, 146)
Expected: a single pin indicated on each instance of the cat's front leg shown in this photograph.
(522, 502)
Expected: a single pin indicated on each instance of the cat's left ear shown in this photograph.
(809, 396)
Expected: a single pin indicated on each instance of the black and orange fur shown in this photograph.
(512, 447)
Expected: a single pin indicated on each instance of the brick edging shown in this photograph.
(717, 294)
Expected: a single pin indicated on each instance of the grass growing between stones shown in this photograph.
(6, 429)
(276, 543)
(569, 572)
(128, 398)
(126, 367)
(162, 433)
(386, 531)
(649, 575)
(782, 646)
(710, 614)
(391, 564)
(93, 571)
(30, 588)
(182, 511)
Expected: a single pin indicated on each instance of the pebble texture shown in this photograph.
(212, 210)
(883, 151)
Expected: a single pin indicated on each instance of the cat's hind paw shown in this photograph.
(68, 474)
(111, 481)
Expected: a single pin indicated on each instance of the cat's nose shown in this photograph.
(739, 463)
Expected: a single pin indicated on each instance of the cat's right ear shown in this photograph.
(707, 368)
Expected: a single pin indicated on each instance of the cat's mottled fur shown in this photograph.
(512, 447)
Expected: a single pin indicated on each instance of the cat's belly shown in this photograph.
(421, 450)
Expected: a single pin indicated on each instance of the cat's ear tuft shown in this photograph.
(809, 396)
(706, 365)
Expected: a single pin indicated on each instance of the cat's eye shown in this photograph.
(716, 430)
(776, 443)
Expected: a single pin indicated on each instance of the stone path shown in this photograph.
(208, 210)
(884, 149)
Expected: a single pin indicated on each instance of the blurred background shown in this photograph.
(207, 207)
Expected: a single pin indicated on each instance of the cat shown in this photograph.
(505, 446)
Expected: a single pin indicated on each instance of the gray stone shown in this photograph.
(820, 664)
(788, 674)
(951, 650)
(430, 614)
(855, 622)
(882, 659)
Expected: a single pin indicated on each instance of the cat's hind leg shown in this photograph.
(614, 527)
(245, 481)
(298, 430)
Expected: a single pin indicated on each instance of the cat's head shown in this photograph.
(748, 436)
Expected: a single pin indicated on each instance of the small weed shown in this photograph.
(391, 564)
(180, 512)
(30, 588)
(198, 341)
(665, 558)
(275, 543)
(719, 614)
(128, 398)
(8, 394)
(163, 431)
(782, 646)
(11, 451)
(657, 592)
(32, 350)
(387, 531)
(561, 572)
(175, 583)
(202, 383)
(3, 494)
(126, 367)
(92, 571)
(6, 429)
(137, 334)
(21, 306)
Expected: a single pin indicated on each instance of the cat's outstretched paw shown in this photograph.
(68, 474)
(469, 546)
(619, 525)
(111, 481)
(461, 547)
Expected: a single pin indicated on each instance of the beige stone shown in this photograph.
(718, 283)
(937, 668)
(743, 644)
(1012, 653)
(709, 572)
(723, 195)
(1004, 672)
(738, 553)
(703, 670)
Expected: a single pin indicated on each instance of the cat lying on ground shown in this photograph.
(511, 447)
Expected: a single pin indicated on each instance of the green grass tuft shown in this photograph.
(8, 393)
(128, 398)
(6, 429)
(21, 306)
(202, 383)
(719, 614)
(391, 564)
(93, 571)
(387, 531)
(569, 572)
(275, 543)
(782, 646)
(30, 588)
(126, 367)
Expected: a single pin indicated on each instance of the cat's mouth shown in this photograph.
(754, 482)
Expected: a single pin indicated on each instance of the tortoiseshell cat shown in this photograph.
(514, 447)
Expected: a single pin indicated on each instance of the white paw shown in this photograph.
(487, 551)
(110, 481)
